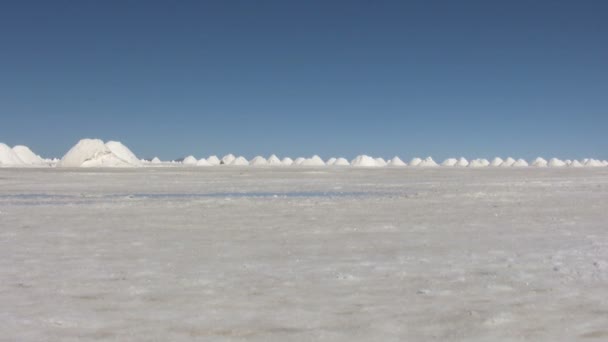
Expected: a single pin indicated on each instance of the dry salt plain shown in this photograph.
(312, 253)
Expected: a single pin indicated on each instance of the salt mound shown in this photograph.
(8, 157)
(123, 152)
(520, 163)
(190, 160)
(380, 162)
(287, 161)
(450, 162)
(27, 156)
(298, 161)
(605, 162)
(575, 163)
(428, 162)
(155, 161)
(396, 162)
(477, 163)
(203, 162)
(568, 162)
(228, 159)
(508, 162)
(341, 162)
(496, 162)
(415, 162)
(214, 160)
(92, 153)
(554, 162)
(539, 162)
(314, 161)
(364, 161)
(330, 161)
(258, 161)
(239, 161)
(593, 163)
(462, 162)
(274, 160)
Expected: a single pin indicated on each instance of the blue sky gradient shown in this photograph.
(407, 78)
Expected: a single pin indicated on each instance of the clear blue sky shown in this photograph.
(407, 78)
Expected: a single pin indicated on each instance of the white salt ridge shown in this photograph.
(593, 163)
(313, 161)
(341, 162)
(190, 160)
(258, 161)
(274, 161)
(415, 162)
(28, 157)
(287, 161)
(228, 159)
(396, 162)
(428, 162)
(214, 160)
(92, 153)
(364, 161)
(450, 162)
(8, 157)
(539, 162)
(239, 161)
(554, 162)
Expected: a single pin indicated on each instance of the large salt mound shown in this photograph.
(496, 162)
(27, 156)
(341, 162)
(462, 162)
(214, 160)
(450, 162)
(123, 153)
(428, 162)
(8, 157)
(415, 162)
(91, 153)
(594, 163)
(274, 160)
(396, 162)
(155, 160)
(575, 163)
(258, 161)
(380, 162)
(364, 161)
(190, 160)
(554, 162)
(203, 162)
(539, 162)
(299, 161)
(477, 163)
(520, 163)
(508, 162)
(313, 161)
(239, 161)
(228, 159)
(287, 161)
(330, 161)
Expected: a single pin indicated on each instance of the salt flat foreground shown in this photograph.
(218, 254)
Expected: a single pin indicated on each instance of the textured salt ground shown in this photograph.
(416, 254)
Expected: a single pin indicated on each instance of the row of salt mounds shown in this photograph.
(20, 156)
(94, 153)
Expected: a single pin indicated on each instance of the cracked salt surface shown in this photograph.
(300, 255)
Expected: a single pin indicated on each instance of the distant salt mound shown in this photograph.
(190, 160)
(593, 163)
(540, 162)
(287, 161)
(214, 160)
(554, 162)
(575, 163)
(298, 161)
(496, 162)
(27, 156)
(428, 162)
(380, 162)
(330, 161)
(364, 161)
(605, 162)
(313, 161)
(520, 163)
(123, 152)
(462, 162)
(258, 161)
(155, 160)
(93, 153)
(8, 157)
(415, 162)
(450, 162)
(228, 159)
(274, 161)
(341, 162)
(396, 162)
(477, 163)
(239, 161)
(203, 162)
(508, 162)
